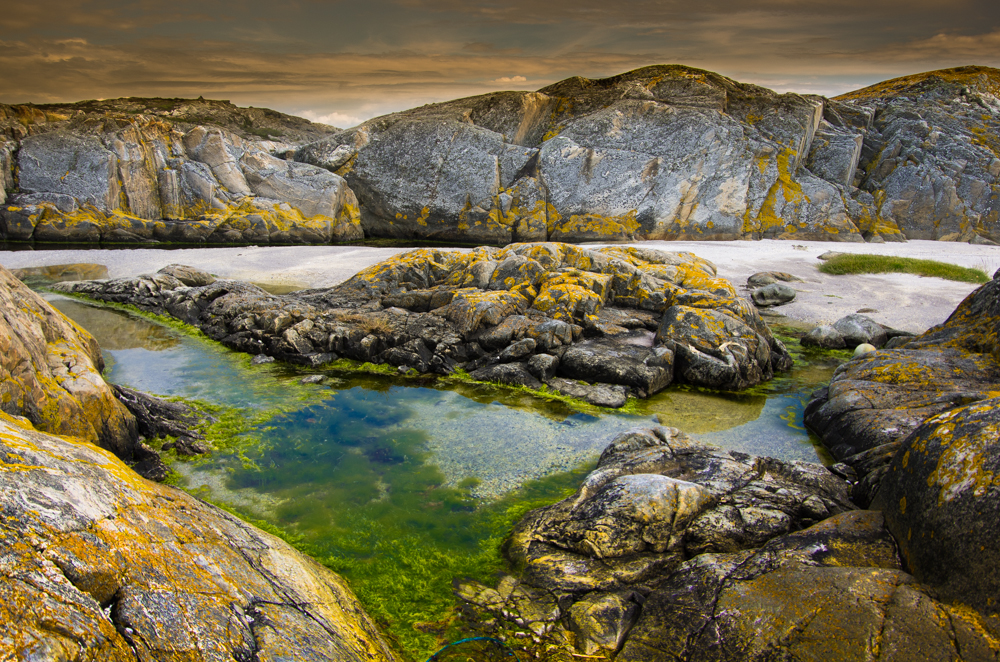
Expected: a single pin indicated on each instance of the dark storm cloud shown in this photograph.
(344, 61)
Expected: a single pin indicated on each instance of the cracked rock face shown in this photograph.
(125, 177)
(614, 322)
(662, 152)
(100, 564)
(51, 373)
(931, 156)
(676, 550)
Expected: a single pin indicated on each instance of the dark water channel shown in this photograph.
(401, 484)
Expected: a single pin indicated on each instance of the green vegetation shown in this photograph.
(856, 263)
(350, 484)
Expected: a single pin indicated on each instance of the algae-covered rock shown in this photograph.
(434, 310)
(51, 371)
(103, 565)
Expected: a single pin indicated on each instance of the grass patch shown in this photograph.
(857, 263)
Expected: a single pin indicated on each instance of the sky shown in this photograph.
(344, 61)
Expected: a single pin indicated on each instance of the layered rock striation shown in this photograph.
(596, 324)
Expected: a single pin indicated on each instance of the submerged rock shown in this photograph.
(616, 321)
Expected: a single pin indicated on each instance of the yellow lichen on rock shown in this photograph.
(51, 372)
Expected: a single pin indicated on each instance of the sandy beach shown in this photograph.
(902, 301)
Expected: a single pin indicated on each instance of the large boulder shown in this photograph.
(662, 152)
(100, 564)
(940, 497)
(621, 317)
(673, 549)
(51, 373)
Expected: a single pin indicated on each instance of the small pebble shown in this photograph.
(862, 349)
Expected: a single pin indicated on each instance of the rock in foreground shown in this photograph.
(51, 373)
(100, 564)
(633, 319)
(675, 550)
(918, 425)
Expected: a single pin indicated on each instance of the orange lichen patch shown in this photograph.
(596, 227)
(960, 464)
(415, 269)
(985, 79)
(696, 279)
(471, 309)
(573, 296)
(783, 199)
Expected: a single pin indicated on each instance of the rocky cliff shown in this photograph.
(128, 171)
(662, 152)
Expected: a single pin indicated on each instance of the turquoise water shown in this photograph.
(401, 484)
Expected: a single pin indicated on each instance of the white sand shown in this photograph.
(902, 301)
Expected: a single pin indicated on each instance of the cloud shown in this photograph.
(333, 119)
(510, 79)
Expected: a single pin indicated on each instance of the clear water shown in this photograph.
(402, 484)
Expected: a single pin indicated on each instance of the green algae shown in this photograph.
(401, 483)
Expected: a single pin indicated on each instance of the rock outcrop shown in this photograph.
(931, 157)
(663, 152)
(123, 171)
(917, 424)
(677, 550)
(100, 564)
(632, 319)
(50, 373)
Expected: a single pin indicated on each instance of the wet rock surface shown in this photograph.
(853, 330)
(672, 549)
(100, 564)
(596, 324)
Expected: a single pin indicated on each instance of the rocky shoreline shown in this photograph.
(670, 549)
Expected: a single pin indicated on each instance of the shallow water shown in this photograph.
(400, 484)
